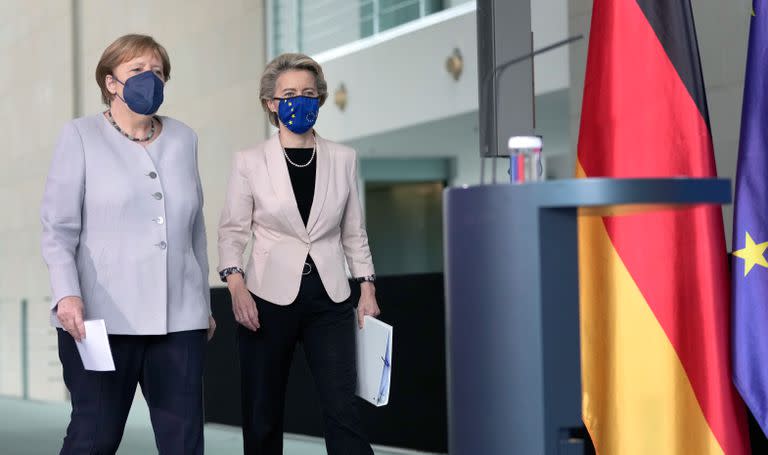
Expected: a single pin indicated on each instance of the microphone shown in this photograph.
(493, 77)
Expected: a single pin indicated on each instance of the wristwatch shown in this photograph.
(230, 271)
(363, 279)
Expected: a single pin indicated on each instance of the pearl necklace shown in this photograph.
(301, 165)
(133, 138)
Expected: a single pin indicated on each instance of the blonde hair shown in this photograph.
(123, 49)
(281, 64)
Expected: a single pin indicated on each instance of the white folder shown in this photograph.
(374, 361)
(94, 349)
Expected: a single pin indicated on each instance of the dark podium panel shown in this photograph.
(512, 306)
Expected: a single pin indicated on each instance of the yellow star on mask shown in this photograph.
(752, 254)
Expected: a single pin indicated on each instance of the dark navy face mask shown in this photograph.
(143, 93)
(298, 113)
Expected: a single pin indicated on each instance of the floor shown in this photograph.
(36, 428)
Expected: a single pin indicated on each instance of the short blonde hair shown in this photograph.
(281, 64)
(123, 49)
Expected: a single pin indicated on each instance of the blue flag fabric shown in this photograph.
(750, 228)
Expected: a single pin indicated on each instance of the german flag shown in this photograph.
(655, 308)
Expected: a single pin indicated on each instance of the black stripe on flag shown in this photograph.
(672, 20)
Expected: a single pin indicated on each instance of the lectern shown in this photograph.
(512, 306)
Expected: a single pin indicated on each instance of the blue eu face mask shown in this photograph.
(143, 93)
(298, 113)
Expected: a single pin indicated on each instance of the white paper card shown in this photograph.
(94, 349)
(374, 361)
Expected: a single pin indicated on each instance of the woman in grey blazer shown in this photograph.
(295, 196)
(124, 240)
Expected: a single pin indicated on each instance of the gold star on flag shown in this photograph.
(753, 254)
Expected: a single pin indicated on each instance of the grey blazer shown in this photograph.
(123, 228)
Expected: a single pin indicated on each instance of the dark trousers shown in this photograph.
(169, 369)
(327, 331)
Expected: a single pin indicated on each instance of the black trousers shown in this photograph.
(169, 369)
(327, 331)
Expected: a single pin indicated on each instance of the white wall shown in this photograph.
(36, 89)
(549, 22)
(722, 29)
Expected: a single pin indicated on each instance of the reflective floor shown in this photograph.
(36, 428)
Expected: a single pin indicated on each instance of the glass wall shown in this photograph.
(312, 26)
(405, 226)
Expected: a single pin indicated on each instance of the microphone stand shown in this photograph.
(493, 76)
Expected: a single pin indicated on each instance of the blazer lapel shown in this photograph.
(281, 184)
(323, 157)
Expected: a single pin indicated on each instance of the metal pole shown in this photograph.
(376, 16)
(299, 4)
(77, 103)
(24, 350)
(270, 27)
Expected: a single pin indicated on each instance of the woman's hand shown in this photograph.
(211, 327)
(367, 305)
(242, 303)
(69, 311)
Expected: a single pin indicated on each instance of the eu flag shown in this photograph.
(750, 228)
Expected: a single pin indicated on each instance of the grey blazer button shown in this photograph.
(158, 196)
(152, 175)
(162, 245)
(159, 220)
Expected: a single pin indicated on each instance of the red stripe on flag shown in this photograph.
(639, 120)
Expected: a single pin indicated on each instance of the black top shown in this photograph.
(302, 179)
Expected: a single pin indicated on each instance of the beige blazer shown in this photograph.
(260, 205)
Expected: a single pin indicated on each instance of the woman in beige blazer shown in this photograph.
(295, 196)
